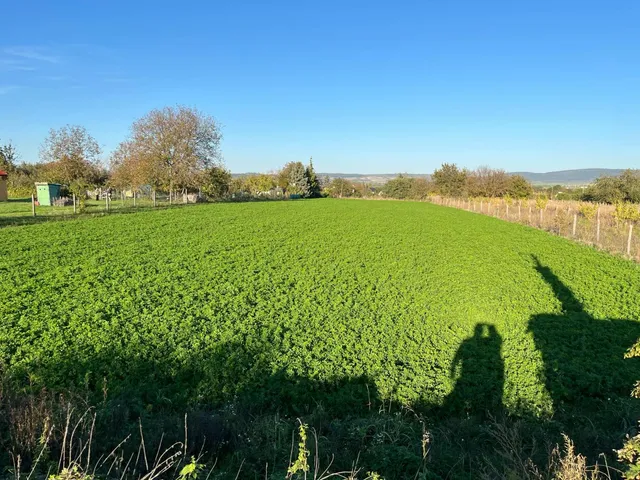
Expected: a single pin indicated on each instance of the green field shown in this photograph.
(332, 304)
(17, 211)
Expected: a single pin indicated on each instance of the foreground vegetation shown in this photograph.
(380, 324)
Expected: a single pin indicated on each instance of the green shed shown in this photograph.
(47, 192)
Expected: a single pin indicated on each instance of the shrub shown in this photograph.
(541, 202)
(626, 212)
(588, 210)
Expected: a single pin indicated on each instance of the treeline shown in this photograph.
(177, 150)
(294, 179)
(612, 190)
(173, 150)
(451, 181)
(77, 166)
(448, 180)
(624, 188)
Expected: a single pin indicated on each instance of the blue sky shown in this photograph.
(369, 87)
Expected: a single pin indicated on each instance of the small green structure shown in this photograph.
(47, 193)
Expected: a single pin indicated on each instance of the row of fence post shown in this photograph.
(107, 202)
(471, 206)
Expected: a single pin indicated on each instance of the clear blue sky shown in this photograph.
(367, 87)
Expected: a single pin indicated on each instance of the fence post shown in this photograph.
(481, 206)
(541, 210)
(134, 199)
(106, 202)
(575, 223)
(74, 203)
(629, 239)
(598, 227)
(507, 212)
(529, 214)
(520, 211)
(33, 205)
(154, 197)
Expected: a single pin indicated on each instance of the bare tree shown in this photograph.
(169, 148)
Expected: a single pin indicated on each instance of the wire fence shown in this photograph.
(594, 224)
(29, 210)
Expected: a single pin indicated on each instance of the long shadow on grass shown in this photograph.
(240, 409)
(585, 370)
(479, 387)
(583, 356)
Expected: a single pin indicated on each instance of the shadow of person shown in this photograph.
(583, 356)
(480, 382)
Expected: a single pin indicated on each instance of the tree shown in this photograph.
(361, 189)
(630, 183)
(488, 182)
(519, 187)
(340, 187)
(449, 180)
(420, 189)
(312, 181)
(216, 182)
(8, 157)
(259, 184)
(171, 148)
(72, 157)
(126, 172)
(399, 187)
(606, 190)
(293, 180)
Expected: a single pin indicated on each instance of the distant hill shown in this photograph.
(372, 178)
(582, 176)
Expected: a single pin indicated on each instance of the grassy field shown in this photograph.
(323, 305)
(17, 211)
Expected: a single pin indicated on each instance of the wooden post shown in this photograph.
(629, 239)
(74, 203)
(519, 211)
(134, 199)
(541, 218)
(575, 223)
(529, 214)
(153, 194)
(33, 205)
(106, 202)
(598, 227)
(481, 206)
(507, 212)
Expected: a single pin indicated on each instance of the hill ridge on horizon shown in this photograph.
(578, 176)
(570, 177)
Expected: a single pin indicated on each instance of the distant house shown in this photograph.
(4, 195)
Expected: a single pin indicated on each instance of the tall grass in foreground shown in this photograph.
(51, 438)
